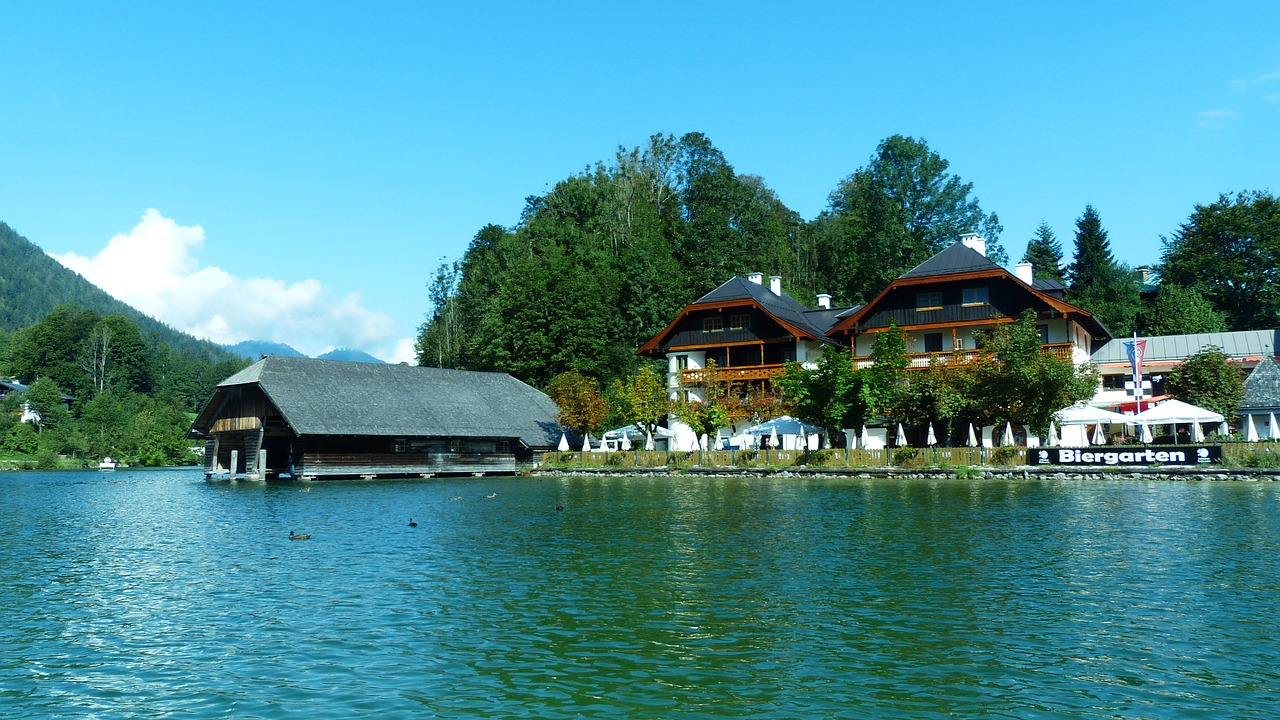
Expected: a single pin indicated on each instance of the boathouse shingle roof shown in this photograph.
(332, 397)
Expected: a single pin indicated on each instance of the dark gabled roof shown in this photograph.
(332, 397)
(789, 312)
(961, 262)
(1049, 286)
(1262, 386)
(783, 307)
(14, 386)
(958, 258)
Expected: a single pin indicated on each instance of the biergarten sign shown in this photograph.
(1167, 455)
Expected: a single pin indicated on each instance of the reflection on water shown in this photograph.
(146, 593)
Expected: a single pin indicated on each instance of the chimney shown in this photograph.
(975, 241)
(757, 278)
(775, 284)
(1024, 272)
(824, 301)
(1144, 273)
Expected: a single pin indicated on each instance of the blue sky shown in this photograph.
(295, 171)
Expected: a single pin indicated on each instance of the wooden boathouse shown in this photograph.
(315, 419)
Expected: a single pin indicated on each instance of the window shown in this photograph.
(929, 301)
(933, 342)
(974, 296)
(712, 324)
(682, 362)
(503, 446)
(399, 445)
(1044, 334)
(455, 445)
(739, 322)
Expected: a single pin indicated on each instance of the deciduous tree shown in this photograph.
(1207, 380)
(1230, 250)
(578, 397)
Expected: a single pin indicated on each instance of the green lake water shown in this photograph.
(155, 594)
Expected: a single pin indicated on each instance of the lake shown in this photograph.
(153, 593)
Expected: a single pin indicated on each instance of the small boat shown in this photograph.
(107, 464)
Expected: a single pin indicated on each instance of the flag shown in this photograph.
(1136, 349)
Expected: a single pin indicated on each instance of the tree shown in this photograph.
(640, 399)
(1206, 379)
(1018, 382)
(1230, 250)
(440, 338)
(1093, 262)
(894, 214)
(578, 397)
(1177, 310)
(828, 395)
(1044, 252)
(1099, 284)
(881, 386)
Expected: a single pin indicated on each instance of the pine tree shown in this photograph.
(1099, 284)
(1094, 263)
(1044, 252)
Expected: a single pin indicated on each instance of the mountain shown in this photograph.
(256, 349)
(32, 284)
(349, 355)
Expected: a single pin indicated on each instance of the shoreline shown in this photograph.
(1101, 472)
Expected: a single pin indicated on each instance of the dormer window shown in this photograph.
(712, 324)
(974, 296)
(929, 301)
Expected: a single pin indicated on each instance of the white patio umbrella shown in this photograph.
(1273, 429)
(1224, 429)
(564, 443)
(604, 447)
(1250, 432)
(626, 441)
(1197, 433)
(932, 439)
(1146, 433)
(1099, 438)
(973, 437)
(648, 440)
(1008, 435)
(1053, 435)
(865, 438)
(702, 442)
(586, 443)
(773, 438)
(902, 436)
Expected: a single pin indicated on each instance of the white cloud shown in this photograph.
(154, 267)
(1256, 80)
(1215, 118)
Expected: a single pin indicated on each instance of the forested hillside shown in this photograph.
(132, 381)
(605, 259)
(32, 284)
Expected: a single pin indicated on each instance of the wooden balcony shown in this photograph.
(920, 361)
(733, 374)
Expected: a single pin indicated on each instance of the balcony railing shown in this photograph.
(733, 374)
(919, 361)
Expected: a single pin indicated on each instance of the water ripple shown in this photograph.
(153, 593)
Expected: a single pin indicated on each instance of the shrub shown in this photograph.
(746, 458)
(1005, 455)
(907, 457)
(816, 457)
